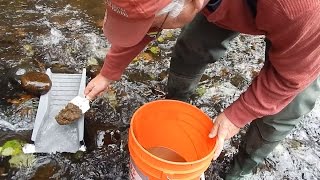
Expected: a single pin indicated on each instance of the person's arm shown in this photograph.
(294, 63)
(117, 59)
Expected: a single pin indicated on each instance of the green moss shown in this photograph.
(201, 91)
(22, 160)
(18, 159)
(155, 50)
(11, 148)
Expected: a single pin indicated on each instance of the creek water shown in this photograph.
(166, 154)
(48, 33)
(65, 35)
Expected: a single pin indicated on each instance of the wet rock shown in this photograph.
(101, 135)
(10, 148)
(4, 82)
(295, 144)
(78, 156)
(3, 172)
(92, 61)
(69, 114)
(144, 56)
(20, 99)
(141, 76)
(100, 54)
(201, 90)
(238, 81)
(93, 71)
(36, 83)
(111, 96)
(62, 68)
(46, 170)
(17, 75)
(59, 20)
(260, 61)
(25, 107)
(155, 50)
(224, 72)
(28, 50)
(17, 72)
(205, 78)
(8, 40)
(93, 67)
(254, 74)
(22, 136)
(21, 32)
(22, 160)
(4, 166)
(99, 23)
(3, 30)
(163, 75)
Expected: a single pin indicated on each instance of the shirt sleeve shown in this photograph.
(118, 58)
(294, 63)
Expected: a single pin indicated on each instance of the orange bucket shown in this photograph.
(168, 139)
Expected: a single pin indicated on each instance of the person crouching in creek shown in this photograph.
(285, 89)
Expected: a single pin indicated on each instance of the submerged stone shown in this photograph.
(238, 81)
(36, 83)
(17, 72)
(46, 169)
(22, 160)
(62, 68)
(93, 70)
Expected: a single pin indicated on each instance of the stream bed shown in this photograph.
(66, 35)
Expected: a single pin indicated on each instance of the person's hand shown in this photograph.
(224, 129)
(97, 86)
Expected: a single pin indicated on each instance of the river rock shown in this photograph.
(93, 71)
(36, 83)
(100, 54)
(62, 68)
(17, 72)
(92, 61)
(45, 169)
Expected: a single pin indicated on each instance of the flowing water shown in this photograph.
(65, 35)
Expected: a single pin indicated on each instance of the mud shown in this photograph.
(68, 114)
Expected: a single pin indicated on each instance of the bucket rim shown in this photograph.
(163, 160)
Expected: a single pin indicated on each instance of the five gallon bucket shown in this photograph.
(168, 139)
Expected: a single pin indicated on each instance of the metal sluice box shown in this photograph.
(47, 135)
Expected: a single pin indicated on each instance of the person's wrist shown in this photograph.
(106, 79)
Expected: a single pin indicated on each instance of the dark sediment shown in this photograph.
(69, 114)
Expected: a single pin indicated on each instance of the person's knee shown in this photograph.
(273, 132)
